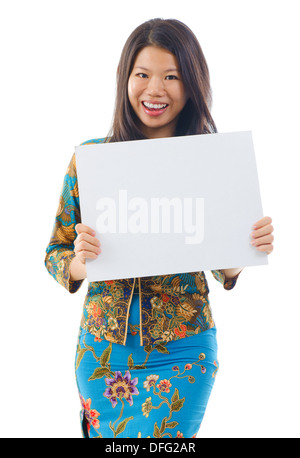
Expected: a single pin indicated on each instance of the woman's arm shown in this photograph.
(60, 250)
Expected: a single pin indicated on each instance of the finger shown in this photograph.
(262, 231)
(263, 240)
(262, 222)
(266, 248)
(86, 246)
(79, 228)
(87, 255)
(83, 236)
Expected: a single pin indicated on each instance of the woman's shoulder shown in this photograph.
(94, 140)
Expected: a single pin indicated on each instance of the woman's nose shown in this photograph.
(156, 86)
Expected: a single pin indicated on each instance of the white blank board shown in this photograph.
(135, 194)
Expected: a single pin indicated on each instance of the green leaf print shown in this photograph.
(175, 396)
(161, 349)
(172, 424)
(99, 373)
(105, 357)
(163, 425)
(156, 430)
(130, 361)
(121, 426)
(80, 356)
(177, 405)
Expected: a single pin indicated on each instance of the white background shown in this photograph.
(59, 60)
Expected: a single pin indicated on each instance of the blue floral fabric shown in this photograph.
(149, 392)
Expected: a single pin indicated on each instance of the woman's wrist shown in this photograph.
(77, 270)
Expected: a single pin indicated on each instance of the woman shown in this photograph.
(150, 372)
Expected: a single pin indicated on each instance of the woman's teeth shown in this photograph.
(155, 106)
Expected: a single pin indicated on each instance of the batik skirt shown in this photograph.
(126, 392)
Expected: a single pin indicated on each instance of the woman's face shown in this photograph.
(156, 91)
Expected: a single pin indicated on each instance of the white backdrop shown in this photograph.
(59, 60)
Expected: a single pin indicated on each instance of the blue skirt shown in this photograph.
(128, 392)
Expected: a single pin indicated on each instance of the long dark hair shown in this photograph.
(177, 38)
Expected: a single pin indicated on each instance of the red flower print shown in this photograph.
(95, 309)
(109, 282)
(95, 314)
(215, 372)
(165, 298)
(188, 366)
(164, 385)
(91, 415)
(98, 339)
(181, 331)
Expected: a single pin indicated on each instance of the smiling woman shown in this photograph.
(134, 370)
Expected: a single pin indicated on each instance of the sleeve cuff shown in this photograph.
(227, 284)
(72, 286)
(58, 265)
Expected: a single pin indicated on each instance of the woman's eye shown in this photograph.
(171, 77)
(142, 75)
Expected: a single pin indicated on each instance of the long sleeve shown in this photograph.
(59, 252)
(220, 276)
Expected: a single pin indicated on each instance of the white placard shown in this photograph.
(170, 205)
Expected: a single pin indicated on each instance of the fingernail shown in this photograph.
(254, 227)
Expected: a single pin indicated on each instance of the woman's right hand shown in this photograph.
(86, 245)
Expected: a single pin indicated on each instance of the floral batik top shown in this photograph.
(172, 306)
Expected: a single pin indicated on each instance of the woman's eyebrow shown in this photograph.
(173, 69)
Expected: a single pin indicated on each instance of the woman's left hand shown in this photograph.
(262, 236)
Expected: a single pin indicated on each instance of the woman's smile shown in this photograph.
(154, 108)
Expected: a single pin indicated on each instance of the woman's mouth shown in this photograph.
(154, 109)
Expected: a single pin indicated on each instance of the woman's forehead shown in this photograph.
(151, 56)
